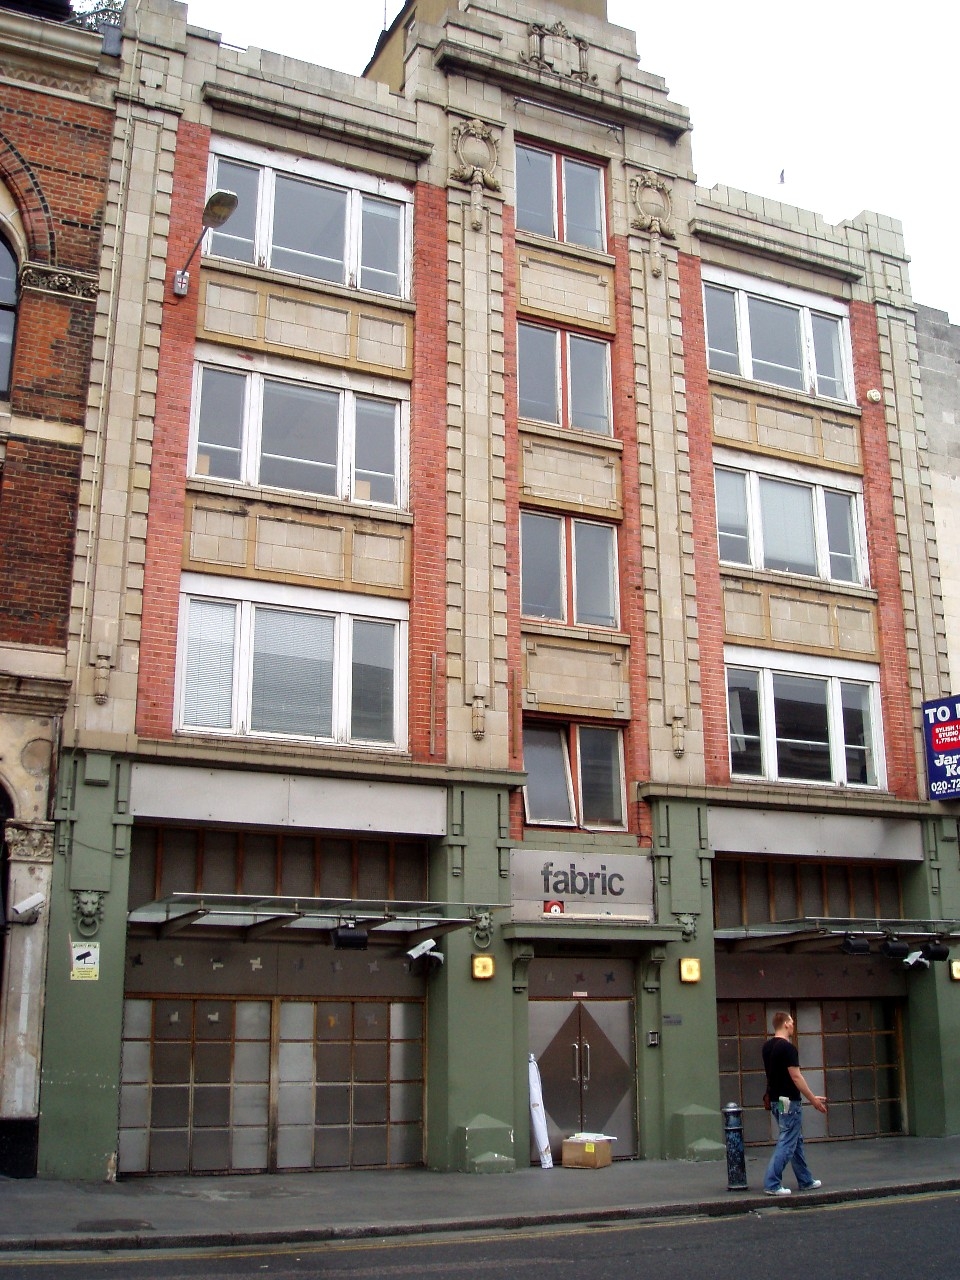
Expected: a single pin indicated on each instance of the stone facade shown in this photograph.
(498, 543)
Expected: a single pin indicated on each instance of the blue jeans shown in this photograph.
(789, 1148)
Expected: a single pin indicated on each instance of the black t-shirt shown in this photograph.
(778, 1056)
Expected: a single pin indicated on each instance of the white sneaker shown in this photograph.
(778, 1191)
(811, 1186)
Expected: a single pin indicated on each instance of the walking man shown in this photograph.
(787, 1089)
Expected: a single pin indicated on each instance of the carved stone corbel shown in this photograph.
(477, 149)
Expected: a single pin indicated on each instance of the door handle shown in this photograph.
(586, 1062)
(576, 1061)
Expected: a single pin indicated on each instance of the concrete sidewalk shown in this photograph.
(179, 1212)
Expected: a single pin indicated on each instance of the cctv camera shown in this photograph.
(422, 948)
(27, 906)
(916, 958)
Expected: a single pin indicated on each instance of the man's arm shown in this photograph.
(806, 1091)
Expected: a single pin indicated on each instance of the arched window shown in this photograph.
(8, 314)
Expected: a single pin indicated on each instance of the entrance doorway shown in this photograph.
(585, 1048)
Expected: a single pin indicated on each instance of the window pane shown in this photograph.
(309, 229)
(589, 389)
(381, 222)
(537, 373)
(841, 539)
(535, 192)
(373, 681)
(7, 325)
(595, 578)
(298, 445)
(723, 349)
(601, 788)
(292, 673)
(237, 238)
(220, 429)
(732, 528)
(8, 314)
(541, 567)
(375, 451)
(8, 275)
(208, 683)
(803, 741)
(583, 204)
(775, 343)
(743, 713)
(786, 512)
(826, 352)
(547, 792)
(858, 734)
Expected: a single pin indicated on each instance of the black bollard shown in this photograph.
(733, 1137)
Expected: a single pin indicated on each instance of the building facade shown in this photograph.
(56, 125)
(509, 589)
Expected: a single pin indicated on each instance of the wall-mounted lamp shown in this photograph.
(935, 951)
(690, 969)
(854, 946)
(348, 937)
(220, 205)
(895, 948)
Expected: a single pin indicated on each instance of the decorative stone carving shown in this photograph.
(556, 49)
(29, 841)
(688, 923)
(478, 152)
(654, 205)
(482, 929)
(47, 279)
(88, 910)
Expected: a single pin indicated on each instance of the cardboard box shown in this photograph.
(586, 1153)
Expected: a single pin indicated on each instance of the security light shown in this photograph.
(219, 207)
(854, 946)
(895, 948)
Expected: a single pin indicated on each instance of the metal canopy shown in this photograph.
(254, 916)
(813, 933)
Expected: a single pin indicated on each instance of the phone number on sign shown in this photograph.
(948, 786)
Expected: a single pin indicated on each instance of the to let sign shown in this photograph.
(941, 734)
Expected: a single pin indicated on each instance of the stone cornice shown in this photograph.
(257, 106)
(33, 695)
(750, 241)
(563, 94)
(874, 804)
(68, 48)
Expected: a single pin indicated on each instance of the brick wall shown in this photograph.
(38, 510)
(164, 552)
(54, 160)
(428, 495)
(706, 558)
(884, 557)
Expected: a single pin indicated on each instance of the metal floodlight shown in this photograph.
(219, 207)
(348, 937)
(855, 946)
(895, 948)
(935, 951)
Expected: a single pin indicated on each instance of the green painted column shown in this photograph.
(932, 1025)
(475, 1060)
(690, 1122)
(83, 1015)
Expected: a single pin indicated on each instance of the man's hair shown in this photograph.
(779, 1018)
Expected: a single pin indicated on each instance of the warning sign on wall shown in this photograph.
(85, 962)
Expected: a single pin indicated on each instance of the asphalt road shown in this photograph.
(901, 1236)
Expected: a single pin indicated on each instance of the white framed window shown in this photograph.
(264, 660)
(778, 520)
(9, 300)
(804, 719)
(259, 427)
(575, 775)
(560, 197)
(771, 333)
(568, 570)
(311, 219)
(564, 379)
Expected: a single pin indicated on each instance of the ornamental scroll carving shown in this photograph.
(556, 49)
(653, 203)
(477, 150)
(29, 841)
(73, 284)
